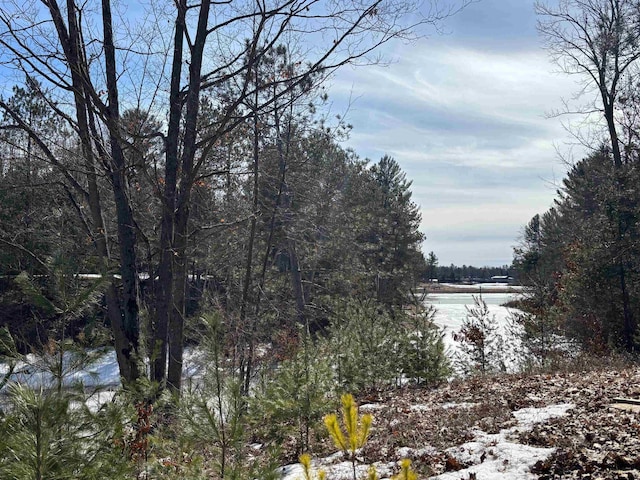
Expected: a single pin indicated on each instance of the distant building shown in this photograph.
(502, 279)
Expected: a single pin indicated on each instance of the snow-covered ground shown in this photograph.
(497, 456)
(492, 456)
(36, 371)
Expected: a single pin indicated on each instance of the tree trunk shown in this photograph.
(296, 283)
(124, 327)
(164, 286)
(168, 340)
(181, 234)
(286, 197)
(126, 223)
(246, 359)
(629, 324)
(176, 319)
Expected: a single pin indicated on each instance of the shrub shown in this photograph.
(421, 348)
(50, 434)
(374, 347)
(362, 344)
(481, 345)
(292, 398)
(213, 418)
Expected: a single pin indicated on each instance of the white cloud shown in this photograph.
(470, 129)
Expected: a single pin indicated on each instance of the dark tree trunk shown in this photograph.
(629, 323)
(181, 234)
(176, 319)
(123, 317)
(246, 355)
(296, 283)
(164, 285)
(168, 338)
(285, 196)
(126, 223)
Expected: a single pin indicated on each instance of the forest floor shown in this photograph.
(507, 427)
(545, 426)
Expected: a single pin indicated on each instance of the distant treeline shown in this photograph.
(467, 273)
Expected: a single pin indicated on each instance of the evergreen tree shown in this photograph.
(481, 344)
(31, 217)
(540, 263)
(432, 266)
(392, 239)
(580, 259)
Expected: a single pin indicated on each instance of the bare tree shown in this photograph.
(100, 59)
(600, 40)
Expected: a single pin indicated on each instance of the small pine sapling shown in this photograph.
(305, 461)
(481, 344)
(213, 416)
(51, 434)
(406, 473)
(293, 399)
(361, 337)
(372, 474)
(420, 348)
(9, 355)
(353, 437)
(356, 429)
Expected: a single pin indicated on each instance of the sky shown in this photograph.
(465, 112)
(467, 115)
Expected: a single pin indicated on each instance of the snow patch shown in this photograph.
(497, 457)
(492, 456)
(461, 405)
(423, 407)
(337, 471)
(528, 417)
(35, 370)
(408, 452)
(370, 407)
(502, 459)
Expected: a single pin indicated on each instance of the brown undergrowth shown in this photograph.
(593, 441)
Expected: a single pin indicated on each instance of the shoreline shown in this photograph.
(448, 288)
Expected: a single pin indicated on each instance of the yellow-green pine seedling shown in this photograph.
(356, 432)
(305, 460)
(405, 471)
(331, 422)
(365, 428)
(357, 429)
(372, 474)
(350, 413)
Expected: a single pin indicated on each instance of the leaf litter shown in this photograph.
(507, 427)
